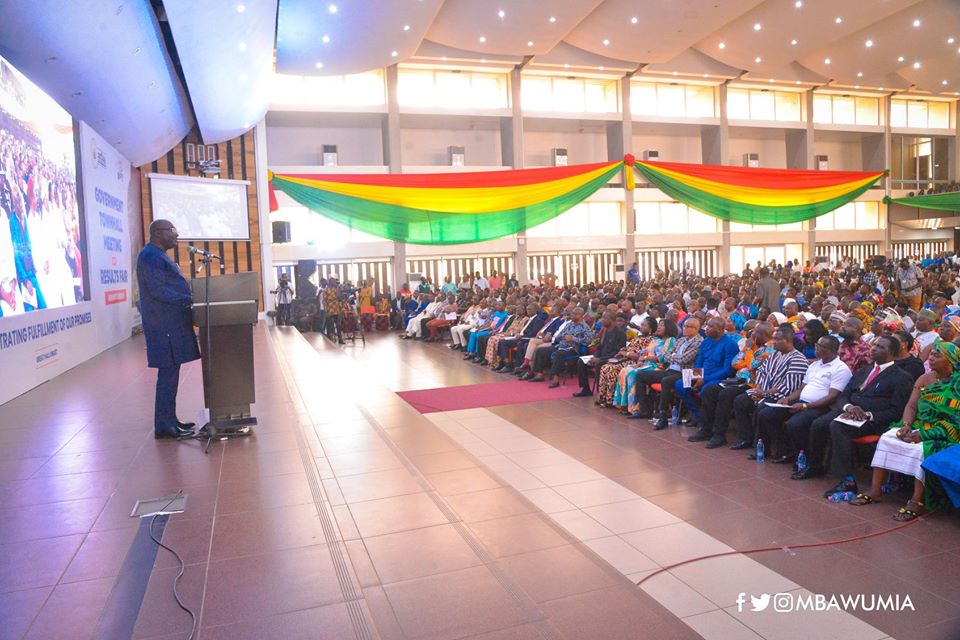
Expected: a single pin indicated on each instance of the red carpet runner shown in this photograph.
(474, 396)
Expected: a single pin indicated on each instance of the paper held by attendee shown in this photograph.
(586, 359)
(851, 422)
(689, 375)
(450, 316)
(776, 404)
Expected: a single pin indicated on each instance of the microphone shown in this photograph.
(205, 254)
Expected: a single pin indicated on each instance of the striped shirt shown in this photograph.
(782, 372)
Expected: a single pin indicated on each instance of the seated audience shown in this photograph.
(714, 361)
(652, 358)
(612, 338)
(610, 371)
(682, 357)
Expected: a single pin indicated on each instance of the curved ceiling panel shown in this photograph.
(226, 53)
(327, 38)
(105, 63)
(531, 27)
(654, 30)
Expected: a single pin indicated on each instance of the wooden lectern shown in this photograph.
(225, 308)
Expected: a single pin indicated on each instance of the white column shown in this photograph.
(263, 206)
(630, 218)
(887, 247)
(392, 158)
(724, 250)
(516, 155)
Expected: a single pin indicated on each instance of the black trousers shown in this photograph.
(716, 405)
(744, 412)
(541, 358)
(424, 332)
(334, 326)
(504, 348)
(841, 447)
(165, 406)
(667, 380)
(482, 345)
(584, 371)
(560, 357)
(521, 351)
(798, 434)
(772, 427)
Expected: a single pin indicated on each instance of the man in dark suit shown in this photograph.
(613, 338)
(876, 394)
(165, 305)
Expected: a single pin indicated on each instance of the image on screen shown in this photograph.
(41, 263)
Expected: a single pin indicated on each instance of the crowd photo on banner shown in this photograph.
(41, 265)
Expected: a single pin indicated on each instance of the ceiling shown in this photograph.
(144, 72)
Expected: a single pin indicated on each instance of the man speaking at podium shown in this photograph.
(165, 305)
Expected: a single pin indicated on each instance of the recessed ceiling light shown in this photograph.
(916, 65)
(242, 45)
(241, 8)
(483, 39)
(605, 42)
(951, 40)
(757, 59)
(757, 26)
(794, 42)
(944, 83)
(501, 13)
(444, 58)
(566, 66)
(798, 4)
(916, 22)
(332, 8)
(394, 54)
(325, 39)
(880, 88)
(868, 43)
(856, 86)
(483, 60)
(838, 20)
(706, 75)
(600, 67)
(529, 43)
(406, 27)
(722, 45)
(797, 82)
(634, 20)
(676, 73)
(319, 65)
(899, 58)
(770, 80)
(553, 19)
(826, 61)
(859, 74)
(956, 93)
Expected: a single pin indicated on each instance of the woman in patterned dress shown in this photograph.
(610, 371)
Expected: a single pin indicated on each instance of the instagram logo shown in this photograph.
(783, 602)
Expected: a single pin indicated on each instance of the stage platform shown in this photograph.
(349, 514)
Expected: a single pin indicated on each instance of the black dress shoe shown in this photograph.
(809, 472)
(787, 459)
(583, 393)
(172, 432)
(716, 442)
(527, 376)
(186, 425)
(740, 445)
(700, 436)
(661, 424)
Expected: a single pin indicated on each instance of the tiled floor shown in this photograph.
(349, 515)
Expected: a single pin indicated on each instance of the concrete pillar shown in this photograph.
(515, 155)
(263, 206)
(810, 246)
(630, 218)
(722, 149)
(887, 247)
(392, 158)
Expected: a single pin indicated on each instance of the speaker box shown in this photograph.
(281, 232)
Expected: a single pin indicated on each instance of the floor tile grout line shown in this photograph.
(346, 580)
(470, 430)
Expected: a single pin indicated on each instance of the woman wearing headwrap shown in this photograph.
(931, 423)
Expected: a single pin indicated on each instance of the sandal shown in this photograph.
(905, 514)
(863, 499)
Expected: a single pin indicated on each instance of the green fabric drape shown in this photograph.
(938, 201)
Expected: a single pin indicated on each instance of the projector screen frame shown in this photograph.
(179, 178)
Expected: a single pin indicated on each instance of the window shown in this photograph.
(739, 227)
(741, 256)
(585, 219)
(451, 89)
(763, 104)
(671, 100)
(845, 109)
(358, 90)
(568, 94)
(853, 215)
(920, 114)
(314, 229)
(655, 218)
(920, 162)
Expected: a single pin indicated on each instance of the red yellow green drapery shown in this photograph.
(456, 208)
(949, 201)
(757, 196)
(448, 208)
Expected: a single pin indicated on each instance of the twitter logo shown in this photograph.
(761, 603)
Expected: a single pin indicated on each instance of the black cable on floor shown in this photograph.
(176, 596)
